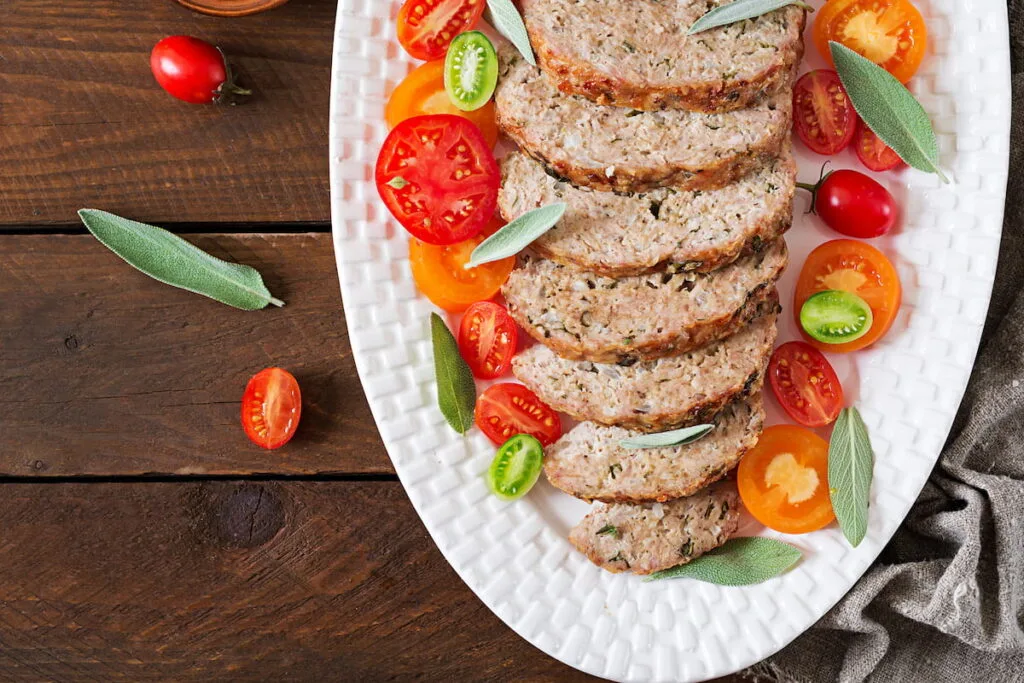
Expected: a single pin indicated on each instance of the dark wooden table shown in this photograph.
(141, 535)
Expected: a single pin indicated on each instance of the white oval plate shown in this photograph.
(516, 556)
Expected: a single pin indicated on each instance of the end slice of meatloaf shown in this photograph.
(584, 316)
(616, 235)
(610, 148)
(654, 395)
(649, 537)
(590, 463)
(637, 54)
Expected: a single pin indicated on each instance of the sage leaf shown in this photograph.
(456, 390)
(888, 109)
(166, 257)
(739, 562)
(738, 10)
(676, 437)
(517, 235)
(850, 461)
(505, 18)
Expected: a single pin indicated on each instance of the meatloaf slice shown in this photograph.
(627, 234)
(590, 463)
(649, 537)
(610, 148)
(585, 316)
(654, 395)
(637, 54)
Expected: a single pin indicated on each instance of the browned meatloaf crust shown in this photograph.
(637, 54)
(616, 234)
(654, 395)
(590, 463)
(650, 537)
(610, 148)
(585, 316)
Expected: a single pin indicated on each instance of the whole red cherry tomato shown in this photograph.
(193, 70)
(853, 204)
(271, 407)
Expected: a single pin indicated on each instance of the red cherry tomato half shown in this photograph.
(872, 152)
(427, 27)
(487, 339)
(823, 115)
(271, 407)
(507, 409)
(192, 70)
(805, 384)
(856, 205)
(438, 177)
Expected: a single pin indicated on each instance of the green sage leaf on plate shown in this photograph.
(676, 437)
(456, 390)
(738, 10)
(739, 562)
(505, 18)
(888, 109)
(166, 257)
(517, 235)
(850, 461)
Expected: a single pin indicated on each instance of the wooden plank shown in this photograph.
(241, 581)
(104, 371)
(84, 124)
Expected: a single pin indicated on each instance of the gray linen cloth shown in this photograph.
(945, 600)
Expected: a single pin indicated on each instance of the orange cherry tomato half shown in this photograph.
(439, 273)
(783, 480)
(487, 339)
(507, 409)
(891, 33)
(805, 384)
(271, 407)
(427, 27)
(856, 267)
(422, 92)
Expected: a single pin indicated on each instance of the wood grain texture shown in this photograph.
(239, 581)
(84, 124)
(104, 371)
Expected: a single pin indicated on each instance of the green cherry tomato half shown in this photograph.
(835, 317)
(516, 467)
(470, 70)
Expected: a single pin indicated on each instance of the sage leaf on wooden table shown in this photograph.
(850, 461)
(676, 437)
(456, 390)
(517, 235)
(888, 109)
(506, 20)
(739, 562)
(166, 257)
(738, 10)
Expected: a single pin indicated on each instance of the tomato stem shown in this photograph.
(813, 189)
(227, 91)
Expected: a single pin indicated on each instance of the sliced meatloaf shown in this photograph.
(610, 148)
(616, 235)
(649, 537)
(654, 395)
(585, 316)
(590, 462)
(637, 53)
